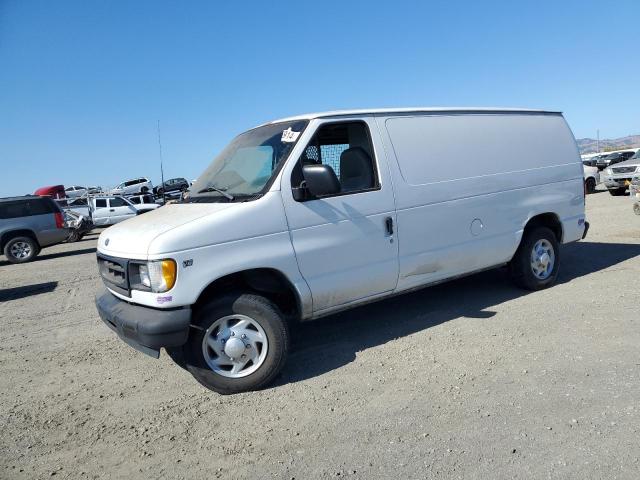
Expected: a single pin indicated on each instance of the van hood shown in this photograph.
(132, 238)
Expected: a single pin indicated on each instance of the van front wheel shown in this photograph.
(536, 262)
(237, 343)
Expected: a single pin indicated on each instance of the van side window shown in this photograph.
(345, 147)
(101, 203)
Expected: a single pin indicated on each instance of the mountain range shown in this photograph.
(589, 145)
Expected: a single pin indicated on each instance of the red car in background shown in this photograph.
(56, 192)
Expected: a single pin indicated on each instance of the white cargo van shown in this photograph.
(309, 215)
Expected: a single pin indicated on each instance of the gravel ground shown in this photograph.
(470, 379)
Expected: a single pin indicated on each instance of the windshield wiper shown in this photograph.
(216, 189)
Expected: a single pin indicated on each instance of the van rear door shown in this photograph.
(345, 244)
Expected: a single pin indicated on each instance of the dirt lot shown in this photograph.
(469, 379)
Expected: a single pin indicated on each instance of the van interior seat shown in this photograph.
(356, 170)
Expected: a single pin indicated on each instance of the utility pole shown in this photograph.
(598, 141)
(161, 168)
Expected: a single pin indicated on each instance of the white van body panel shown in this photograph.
(466, 185)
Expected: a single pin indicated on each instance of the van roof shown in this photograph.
(371, 111)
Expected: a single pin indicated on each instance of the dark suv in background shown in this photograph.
(28, 224)
(172, 185)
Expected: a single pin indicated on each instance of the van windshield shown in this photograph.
(248, 163)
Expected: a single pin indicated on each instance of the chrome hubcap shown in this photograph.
(235, 346)
(20, 250)
(542, 259)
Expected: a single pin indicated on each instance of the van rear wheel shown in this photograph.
(239, 343)
(536, 263)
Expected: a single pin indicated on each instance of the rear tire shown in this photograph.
(616, 192)
(590, 185)
(21, 249)
(239, 343)
(536, 263)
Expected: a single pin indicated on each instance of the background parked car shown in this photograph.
(132, 187)
(78, 225)
(618, 177)
(591, 178)
(147, 199)
(75, 191)
(613, 158)
(172, 185)
(28, 224)
(109, 210)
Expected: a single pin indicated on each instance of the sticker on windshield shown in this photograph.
(289, 136)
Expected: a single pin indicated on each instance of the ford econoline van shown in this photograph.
(303, 217)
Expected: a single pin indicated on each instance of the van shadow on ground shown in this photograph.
(329, 343)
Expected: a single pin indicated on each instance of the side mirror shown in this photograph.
(320, 180)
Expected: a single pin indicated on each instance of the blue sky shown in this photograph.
(83, 83)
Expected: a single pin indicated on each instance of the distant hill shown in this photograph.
(589, 145)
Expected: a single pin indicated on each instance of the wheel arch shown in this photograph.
(547, 219)
(269, 282)
(21, 232)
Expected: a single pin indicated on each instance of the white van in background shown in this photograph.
(310, 215)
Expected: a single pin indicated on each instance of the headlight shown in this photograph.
(155, 276)
(608, 171)
(638, 169)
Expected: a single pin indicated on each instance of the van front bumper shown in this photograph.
(143, 328)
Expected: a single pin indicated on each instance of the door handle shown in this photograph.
(112, 210)
(388, 222)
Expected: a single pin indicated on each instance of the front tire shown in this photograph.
(239, 343)
(590, 185)
(21, 249)
(536, 263)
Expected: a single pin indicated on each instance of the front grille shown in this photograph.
(114, 273)
(623, 169)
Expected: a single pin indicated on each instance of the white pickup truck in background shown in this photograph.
(109, 209)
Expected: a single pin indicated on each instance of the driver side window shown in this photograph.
(346, 148)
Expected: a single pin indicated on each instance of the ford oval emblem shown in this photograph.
(106, 242)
